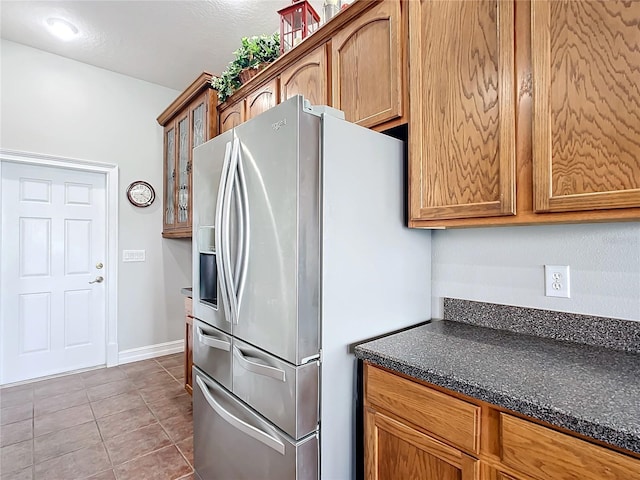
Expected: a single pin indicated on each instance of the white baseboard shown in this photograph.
(150, 351)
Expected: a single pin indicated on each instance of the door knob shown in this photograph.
(98, 279)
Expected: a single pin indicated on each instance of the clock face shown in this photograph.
(141, 194)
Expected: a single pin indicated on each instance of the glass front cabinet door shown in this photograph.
(187, 124)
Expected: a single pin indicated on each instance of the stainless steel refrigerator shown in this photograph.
(299, 251)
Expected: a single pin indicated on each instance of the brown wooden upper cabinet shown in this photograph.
(262, 99)
(586, 124)
(462, 130)
(188, 122)
(367, 65)
(571, 82)
(307, 77)
(232, 116)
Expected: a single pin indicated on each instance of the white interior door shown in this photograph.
(52, 317)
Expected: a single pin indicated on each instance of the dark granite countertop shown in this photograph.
(590, 390)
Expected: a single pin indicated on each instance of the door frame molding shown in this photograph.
(111, 191)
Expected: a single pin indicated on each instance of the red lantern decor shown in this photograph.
(297, 22)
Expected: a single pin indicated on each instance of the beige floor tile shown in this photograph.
(123, 422)
(186, 448)
(170, 407)
(164, 464)
(106, 390)
(64, 441)
(16, 432)
(136, 443)
(26, 474)
(13, 396)
(179, 427)
(16, 457)
(55, 403)
(102, 376)
(116, 404)
(58, 386)
(16, 413)
(108, 475)
(62, 419)
(75, 465)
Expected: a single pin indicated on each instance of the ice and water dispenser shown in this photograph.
(208, 268)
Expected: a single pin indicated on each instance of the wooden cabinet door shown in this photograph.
(232, 116)
(394, 450)
(462, 130)
(586, 120)
(262, 99)
(169, 169)
(308, 77)
(367, 66)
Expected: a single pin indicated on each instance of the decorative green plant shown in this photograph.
(253, 53)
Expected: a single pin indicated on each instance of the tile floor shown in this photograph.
(128, 422)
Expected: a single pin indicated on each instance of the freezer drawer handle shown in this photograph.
(241, 425)
(258, 368)
(213, 342)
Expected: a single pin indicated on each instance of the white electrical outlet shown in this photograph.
(556, 281)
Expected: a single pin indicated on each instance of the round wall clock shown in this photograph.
(140, 194)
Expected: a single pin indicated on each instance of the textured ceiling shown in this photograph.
(167, 42)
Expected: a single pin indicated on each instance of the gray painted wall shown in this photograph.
(56, 106)
(506, 265)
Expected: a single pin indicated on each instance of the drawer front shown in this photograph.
(188, 307)
(286, 395)
(451, 419)
(233, 442)
(212, 352)
(546, 454)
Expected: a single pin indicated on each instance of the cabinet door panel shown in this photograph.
(262, 99)
(586, 124)
(307, 77)
(367, 66)
(395, 450)
(169, 176)
(232, 116)
(183, 152)
(462, 130)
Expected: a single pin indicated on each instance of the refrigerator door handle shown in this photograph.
(220, 251)
(239, 424)
(226, 226)
(258, 368)
(213, 342)
(244, 202)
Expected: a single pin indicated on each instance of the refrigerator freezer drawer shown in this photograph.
(212, 352)
(233, 442)
(286, 395)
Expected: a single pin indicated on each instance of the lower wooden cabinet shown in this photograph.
(397, 450)
(188, 344)
(415, 431)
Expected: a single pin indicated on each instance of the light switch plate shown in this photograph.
(133, 255)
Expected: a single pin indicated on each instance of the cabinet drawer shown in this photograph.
(546, 454)
(448, 418)
(188, 307)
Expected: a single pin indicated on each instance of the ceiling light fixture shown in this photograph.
(62, 28)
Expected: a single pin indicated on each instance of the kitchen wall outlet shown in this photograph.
(556, 281)
(133, 255)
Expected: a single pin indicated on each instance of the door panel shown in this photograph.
(307, 77)
(53, 235)
(262, 99)
(586, 126)
(283, 226)
(207, 173)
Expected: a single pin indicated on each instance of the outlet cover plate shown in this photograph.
(557, 281)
